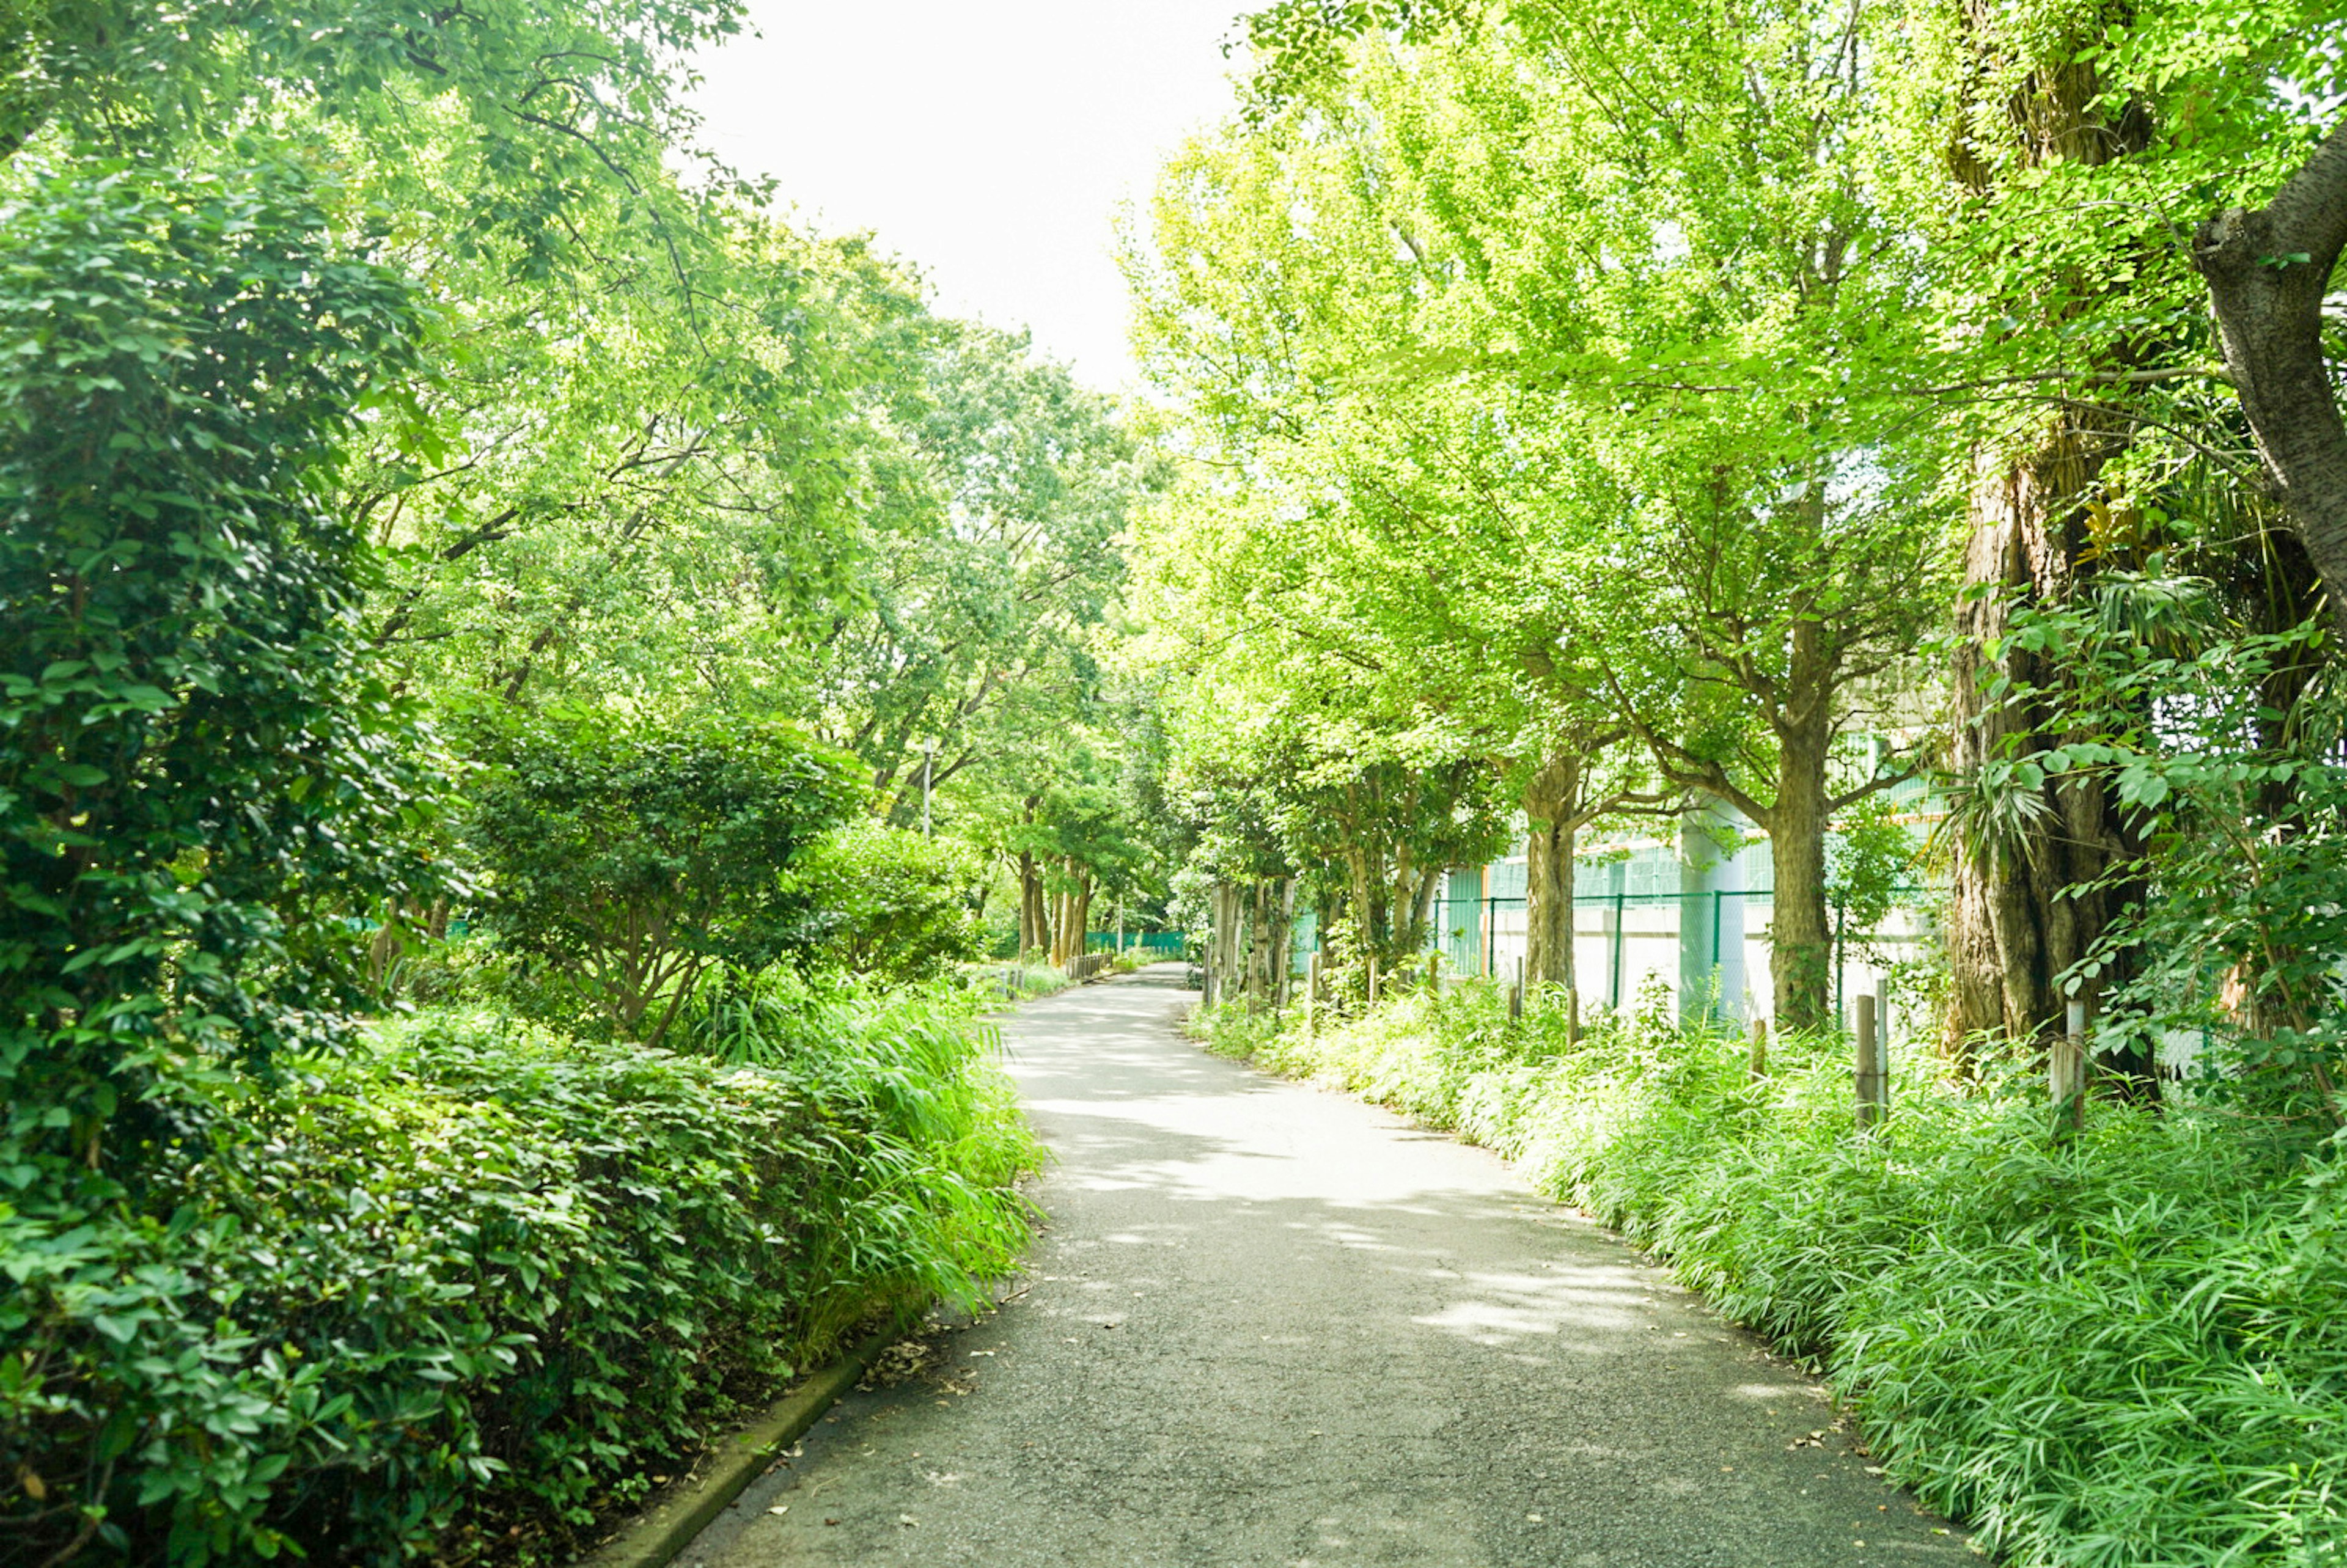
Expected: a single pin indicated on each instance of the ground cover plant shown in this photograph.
(467, 1289)
(2118, 1348)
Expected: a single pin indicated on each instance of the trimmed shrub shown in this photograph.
(462, 1292)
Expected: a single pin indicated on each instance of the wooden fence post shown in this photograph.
(1311, 995)
(1516, 992)
(1759, 1064)
(1573, 1016)
(1873, 1082)
(1373, 982)
(1433, 977)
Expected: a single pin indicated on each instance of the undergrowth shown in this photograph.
(461, 1293)
(2121, 1348)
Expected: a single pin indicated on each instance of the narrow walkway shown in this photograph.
(1270, 1326)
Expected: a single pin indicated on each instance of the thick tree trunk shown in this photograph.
(1421, 912)
(1228, 979)
(1034, 918)
(2268, 273)
(1284, 945)
(1800, 941)
(2014, 926)
(2010, 929)
(1551, 801)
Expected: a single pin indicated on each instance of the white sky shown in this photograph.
(989, 141)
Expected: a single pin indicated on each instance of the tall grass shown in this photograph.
(925, 1129)
(2123, 1349)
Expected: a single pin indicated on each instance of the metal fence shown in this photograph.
(1710, 948)
(1155, 945)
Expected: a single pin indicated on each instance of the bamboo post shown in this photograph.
(1873, 1083)
(1759, 1065)
(2065, 1067)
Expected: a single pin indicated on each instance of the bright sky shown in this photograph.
(989, 141)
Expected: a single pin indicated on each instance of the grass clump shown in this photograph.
(2124, 1347)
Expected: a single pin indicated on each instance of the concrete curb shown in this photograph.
(657, 1535)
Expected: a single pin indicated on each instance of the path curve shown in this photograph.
(1270, 1327)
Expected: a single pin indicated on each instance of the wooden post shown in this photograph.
(1759, 1066)
(1516, 992)
(1373, 982)
(2065, 1069)
(1311, 995)
(1433, 976)
(1873, 1083)
(1573, 1016)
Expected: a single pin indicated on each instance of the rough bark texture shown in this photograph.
(1800, 939)
(1552, 807)
(2268, 271)
(1260, 939)
(1034, 914)
(2010, 930)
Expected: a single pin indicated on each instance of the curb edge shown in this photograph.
(655, 1537)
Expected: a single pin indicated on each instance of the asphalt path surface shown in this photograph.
(1268, 1324)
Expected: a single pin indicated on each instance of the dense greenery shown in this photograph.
(459, 1291)
(465, 551)
(2111, 1350)
(1621, 405)
(447, 526)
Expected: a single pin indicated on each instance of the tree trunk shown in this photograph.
(1551, 801)
(2267, 273)
(1800, 943)
(1284, 943)
(2010, 930)
(1034, 912)
(1258, 960)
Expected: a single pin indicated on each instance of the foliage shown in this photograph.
(2121, 1348)
(457, 1293)
(198, 772)
(2222, 742)
(892, 903)
(632, 857)
(1524, 381)
(1870, 861)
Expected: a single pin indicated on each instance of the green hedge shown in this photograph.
(2123, 1349)
(460, 1292)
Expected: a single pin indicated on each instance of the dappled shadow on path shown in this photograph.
(1271, 1325)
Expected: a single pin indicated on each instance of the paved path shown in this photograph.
(1269, 1326)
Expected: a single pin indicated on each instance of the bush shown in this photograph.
(895, 904)
(2122, 1349)
(631, 859)
(463, 1290)
(196, 772)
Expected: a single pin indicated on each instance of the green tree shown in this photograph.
(198, 776)
(1729, 550)
(634, 858)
